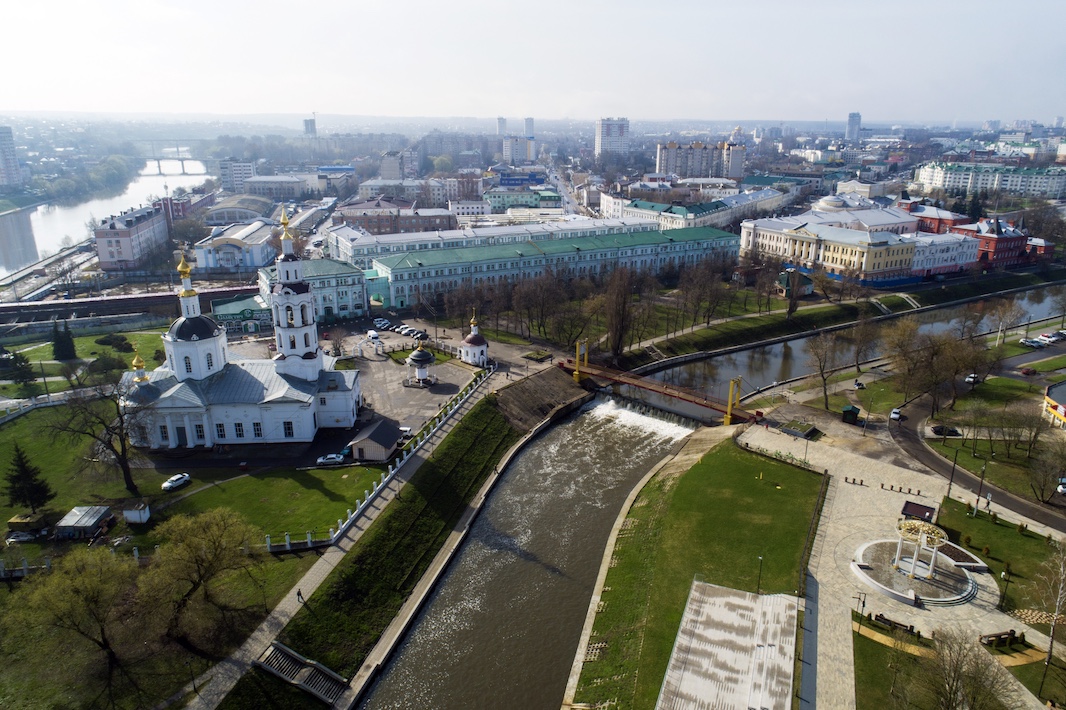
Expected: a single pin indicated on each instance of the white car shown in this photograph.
(176, 481)
(330, 460)
(972, 379)
(18, 536)
(895, 415)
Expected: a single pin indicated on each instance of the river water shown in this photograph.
(26, 235)
(503, 626)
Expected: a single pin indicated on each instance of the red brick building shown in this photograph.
(932, 219)
(1000, 243)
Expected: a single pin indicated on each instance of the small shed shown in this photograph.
(83, 521)
(139, 512)
(377, 442)
(850, 414)
(917, 511)
(28, 522)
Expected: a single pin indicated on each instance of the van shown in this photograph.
(372, 335)
(406, 433)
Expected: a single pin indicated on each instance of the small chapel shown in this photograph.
(474, 350)
(202, 396)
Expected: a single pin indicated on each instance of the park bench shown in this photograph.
(1004, 638)
(894, 625)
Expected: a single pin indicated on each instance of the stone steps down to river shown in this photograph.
(303, 673)
(526, 402)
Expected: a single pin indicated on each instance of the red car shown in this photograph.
(1028, 371)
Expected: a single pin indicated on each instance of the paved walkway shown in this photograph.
(215, 683)
(854, 514)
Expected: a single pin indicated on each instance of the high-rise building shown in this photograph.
(233, 173)
(700, 160)
(501, 126)
(529, 128)
(612, 136)
(310, 127)
(10, 173)
(851, 133)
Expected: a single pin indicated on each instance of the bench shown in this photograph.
(894, 625)
(1004, 638)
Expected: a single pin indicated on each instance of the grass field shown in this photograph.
(713, 521)
(1054, 685)
(341, 622)
(1025, 552)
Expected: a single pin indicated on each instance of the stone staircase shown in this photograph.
(306, 674)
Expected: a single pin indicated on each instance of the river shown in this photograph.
(23, 241)
(503, 626)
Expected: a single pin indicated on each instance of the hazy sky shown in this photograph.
(924, 60)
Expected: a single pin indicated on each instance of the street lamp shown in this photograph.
(758, 585)
(980, 489)
(1004, 575)
(951, 479)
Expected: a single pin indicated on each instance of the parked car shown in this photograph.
(1030, 343)
(941, 430)
(372, 335)
(1028, 371)
(1044, 338)
(330, 460)
(1061, 488)
(18, 536)
(895, 415)
(419, 335)
(406, 330)
(382, 322)
(972, 378)
(176, 481)
(860, 385)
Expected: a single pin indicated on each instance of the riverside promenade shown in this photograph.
(212, 686)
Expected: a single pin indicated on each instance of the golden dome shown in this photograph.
(285, 225)
(137, 363)
(473, 318)
(183, 268)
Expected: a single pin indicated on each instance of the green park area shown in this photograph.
(341, 622)
(712, 522)
(1004, 547)
(47, 665)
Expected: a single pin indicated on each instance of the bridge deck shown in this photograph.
(653, 385)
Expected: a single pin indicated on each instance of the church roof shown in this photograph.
(475, 339)
(195, 328)
(239, 382)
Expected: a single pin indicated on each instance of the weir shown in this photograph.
(504, 623)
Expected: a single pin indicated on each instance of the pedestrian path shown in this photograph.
(855, 514)
(213, 685)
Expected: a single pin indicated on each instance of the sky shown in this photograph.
(933, 61)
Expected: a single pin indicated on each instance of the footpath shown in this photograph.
(212, 686)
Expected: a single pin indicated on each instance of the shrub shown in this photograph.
(966, 540)
(995, 518)
(1022, 528)
(985, 551)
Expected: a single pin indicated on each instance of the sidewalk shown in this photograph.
(216, 682)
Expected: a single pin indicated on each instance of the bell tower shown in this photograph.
(293, 312)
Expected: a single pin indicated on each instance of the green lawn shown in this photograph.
(1054, 685)
(1024, 551)
(1009, 473)
(873, 681)
(285, 499)
(1049, 365)
(896, 304)
(714, 521)
(343, 620)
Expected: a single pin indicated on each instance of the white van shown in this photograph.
(373, 335)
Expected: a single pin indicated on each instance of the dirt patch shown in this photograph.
(526, 402)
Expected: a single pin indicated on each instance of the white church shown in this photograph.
(201, 397)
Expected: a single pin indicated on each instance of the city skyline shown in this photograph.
(472, 58)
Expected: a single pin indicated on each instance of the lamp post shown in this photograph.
(1004, 575)
(980, 489)
(951, 479)
(758, 585)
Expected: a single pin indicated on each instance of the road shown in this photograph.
(907, 436)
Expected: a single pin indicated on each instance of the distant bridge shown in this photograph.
(184, 149)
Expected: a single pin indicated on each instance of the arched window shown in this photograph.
(277, 315)
(210, 361)
(288, 314)
(292, 342)
(303, 314)
(307, 340)
(188, 364)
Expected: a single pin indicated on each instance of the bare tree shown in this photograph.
(866, 335)
(1004, 314)
(618, 309)
(959, 675)
(1058, 297)
(1047, 468)
(1051, 590)
(99, 410)
(821, 357)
